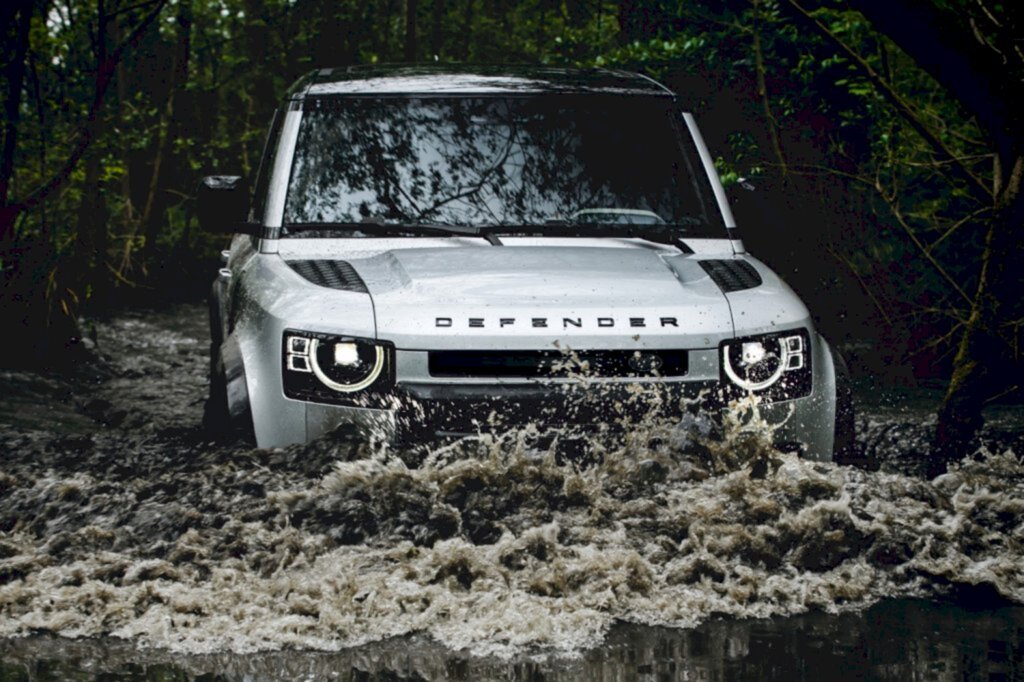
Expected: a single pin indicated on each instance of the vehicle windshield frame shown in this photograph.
(713, 224)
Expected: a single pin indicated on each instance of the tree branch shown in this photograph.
(901, 219)
(104, 75)
(978, 188)
(762, 91)
(966, 219)
(942, 43)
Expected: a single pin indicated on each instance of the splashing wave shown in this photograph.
(489, 545)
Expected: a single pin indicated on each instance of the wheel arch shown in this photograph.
(845, 449)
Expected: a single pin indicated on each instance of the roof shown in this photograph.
(439, 79)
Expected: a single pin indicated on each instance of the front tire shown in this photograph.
(845, 449)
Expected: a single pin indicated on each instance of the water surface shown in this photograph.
(131, 544)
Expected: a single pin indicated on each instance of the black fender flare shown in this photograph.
(228, 409)
(844, 444)
(235, 387)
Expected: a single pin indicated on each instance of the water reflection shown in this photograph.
(490, 161)
(896, 640)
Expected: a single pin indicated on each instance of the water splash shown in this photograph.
(496, 544)
(488, 545)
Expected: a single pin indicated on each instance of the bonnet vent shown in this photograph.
(333, 274)
(732, 275)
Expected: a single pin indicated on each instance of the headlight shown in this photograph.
(774, 365)
(335, 369)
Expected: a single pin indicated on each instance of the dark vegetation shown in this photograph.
(881, 141)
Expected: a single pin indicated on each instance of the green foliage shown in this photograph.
(195, 93)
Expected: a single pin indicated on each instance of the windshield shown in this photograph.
(493, 161)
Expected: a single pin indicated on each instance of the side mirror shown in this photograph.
(222, 204)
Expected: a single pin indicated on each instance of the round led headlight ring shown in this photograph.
(745, 382)
(350, 378)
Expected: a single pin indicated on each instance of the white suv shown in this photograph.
(423, 248)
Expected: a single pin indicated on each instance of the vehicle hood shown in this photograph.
(521, 297)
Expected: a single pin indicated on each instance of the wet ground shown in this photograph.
(131, 545)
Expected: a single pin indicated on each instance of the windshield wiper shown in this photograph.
(378, 226)
(661, 234)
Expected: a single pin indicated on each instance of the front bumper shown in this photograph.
(424, 407)
(427, 410)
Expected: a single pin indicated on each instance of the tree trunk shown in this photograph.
(90, 245)
(411, 6)
(14, 75)
(389, 37)
(436, 28)
(467, 29)
(156, 203)
(981, 365)
(91, 254)
(372, 12)
(127, 217)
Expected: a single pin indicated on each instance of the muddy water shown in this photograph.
(897, 640)
(130, 544)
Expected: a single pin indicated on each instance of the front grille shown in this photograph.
(548, 364)
(450, 409)
(732, 275)
(333, 274)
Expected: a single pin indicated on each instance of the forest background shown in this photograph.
(872, 149)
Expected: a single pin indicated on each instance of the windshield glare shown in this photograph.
(497, 161)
